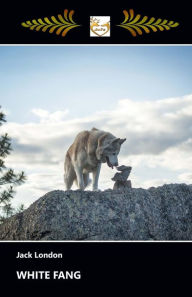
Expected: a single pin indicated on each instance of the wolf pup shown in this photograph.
(85, 155)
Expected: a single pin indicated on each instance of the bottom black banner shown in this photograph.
(75, 265)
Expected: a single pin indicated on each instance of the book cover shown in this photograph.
(95, 147)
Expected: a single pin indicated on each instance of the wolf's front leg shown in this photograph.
(96, 173)
(80, 180)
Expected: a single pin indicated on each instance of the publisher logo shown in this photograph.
(100, 26)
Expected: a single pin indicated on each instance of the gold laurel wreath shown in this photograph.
(134, 24)
(62, 24)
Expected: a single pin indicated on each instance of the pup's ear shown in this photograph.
(122, 140)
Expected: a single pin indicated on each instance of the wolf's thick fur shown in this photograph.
(85, 155)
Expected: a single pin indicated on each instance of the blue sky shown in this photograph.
(143, 93)
(88, 78)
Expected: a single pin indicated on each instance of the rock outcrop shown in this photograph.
(162, 213)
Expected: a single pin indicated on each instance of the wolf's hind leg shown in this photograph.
(86, 179)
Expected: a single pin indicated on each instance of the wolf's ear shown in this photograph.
(115, 140)
(118, 140)
(122, 140)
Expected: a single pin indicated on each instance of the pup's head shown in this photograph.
(108, 150)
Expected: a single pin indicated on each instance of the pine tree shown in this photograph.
(8, 178)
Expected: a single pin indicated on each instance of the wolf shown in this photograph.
(89, 150)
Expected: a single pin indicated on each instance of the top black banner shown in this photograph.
(96, 23)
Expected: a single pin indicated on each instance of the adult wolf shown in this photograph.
(85, 155)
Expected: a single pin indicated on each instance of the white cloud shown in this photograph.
(186, 177)
(158, 146)
(50, 117)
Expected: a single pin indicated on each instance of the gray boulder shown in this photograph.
(162, 213)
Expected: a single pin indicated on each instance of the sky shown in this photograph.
(143, 93)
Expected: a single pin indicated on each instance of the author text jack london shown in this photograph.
(30, 255)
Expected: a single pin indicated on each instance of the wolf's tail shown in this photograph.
(69, 172)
